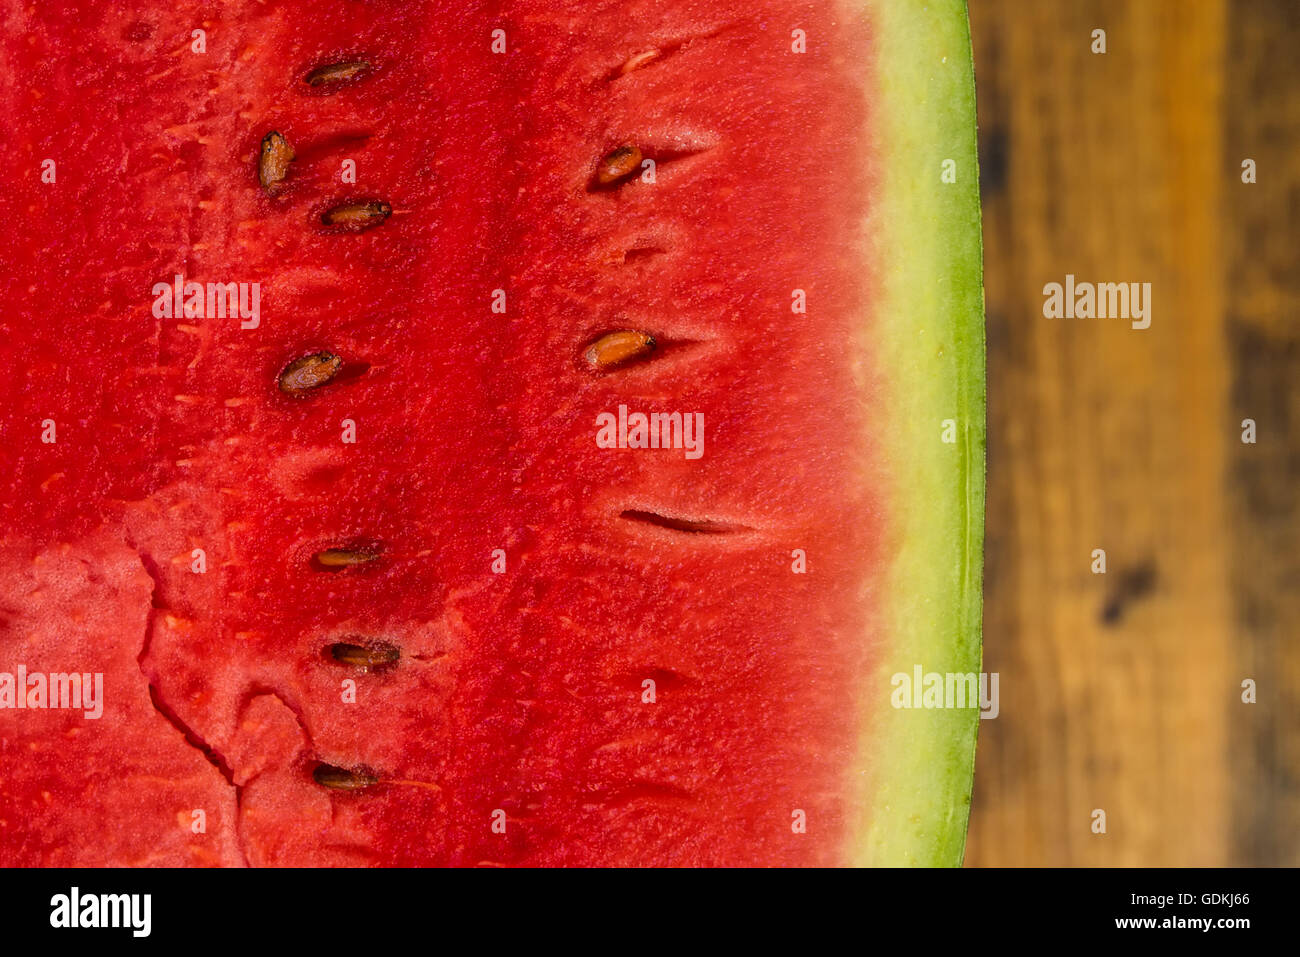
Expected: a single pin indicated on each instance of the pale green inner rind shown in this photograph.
(925, 341)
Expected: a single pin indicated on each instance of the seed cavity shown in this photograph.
(638, 60)
(649, 792)
(618, 164)
(615, 349)
(273, 161)
(339, 558)
(357, 216)
(645, 58)
(639, 253)
(333, 74)
(375, 654)
(342, 779)
(679, 524)
(307, 373)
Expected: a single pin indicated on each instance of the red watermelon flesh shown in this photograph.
(533, 582)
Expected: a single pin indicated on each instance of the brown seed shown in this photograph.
(342, 779)
(273, 163)
(373, 655)
(614, 349)
(357, 215)
(638, 60)
(333, 73)
(345, 557)
(304, 374)
(618, 164)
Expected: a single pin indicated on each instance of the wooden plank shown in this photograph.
(1263, 321)
(1115, 688)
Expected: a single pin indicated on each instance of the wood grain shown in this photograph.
(1122, 691)
(1263, 320)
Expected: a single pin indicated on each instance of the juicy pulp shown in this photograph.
(514, 728)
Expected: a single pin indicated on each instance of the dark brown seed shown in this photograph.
(618, 164)
(614, 349)
(273, 163)
(342, 779)
(333, 73)
(374, 655)
(304, 374)
(357, 215)
(345, 557)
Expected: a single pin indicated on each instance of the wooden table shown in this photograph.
(1122, 692)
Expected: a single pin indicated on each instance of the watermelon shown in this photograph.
(527, 434)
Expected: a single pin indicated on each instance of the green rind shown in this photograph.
(926, 336)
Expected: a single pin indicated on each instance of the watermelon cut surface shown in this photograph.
(416, 611)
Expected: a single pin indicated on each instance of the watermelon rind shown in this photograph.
(925, 342)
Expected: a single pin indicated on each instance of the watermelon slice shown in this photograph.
(531, 434)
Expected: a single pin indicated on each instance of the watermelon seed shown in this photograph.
(638, 60)
(341, 779)
(306, 373)
(648, 56)
(273, 163)
(332, 73)
(618, 164)
(694, 526)
(335, 558)
(357, 216)
(615, 349)
(365, 657)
